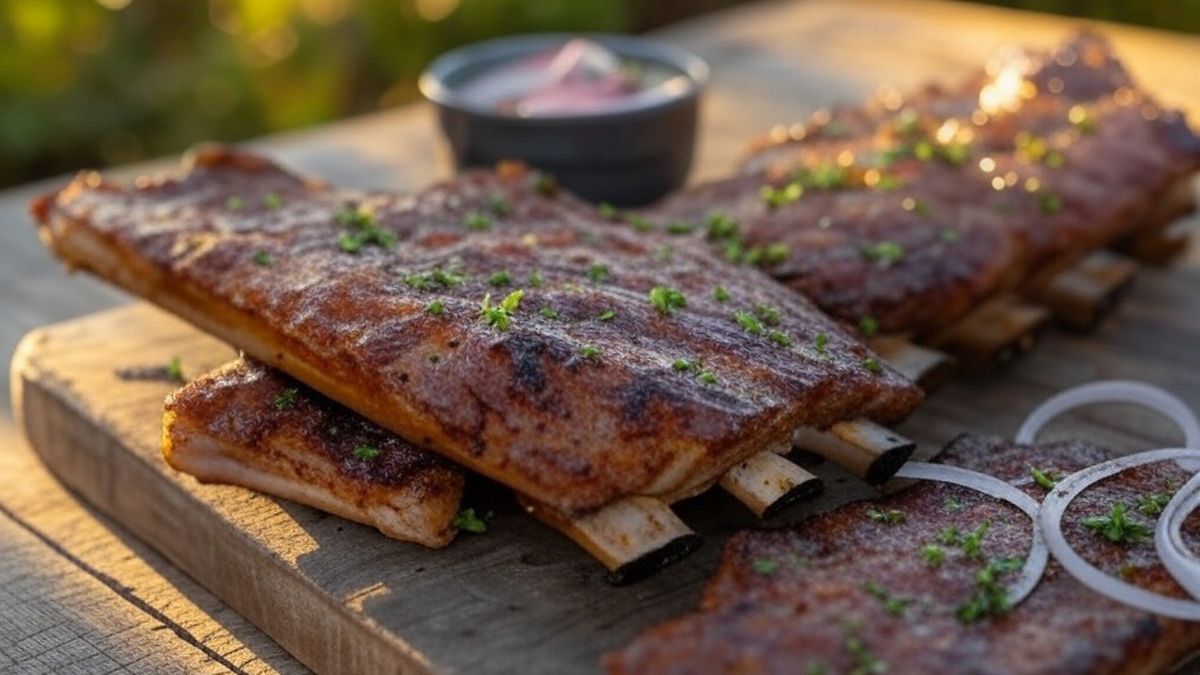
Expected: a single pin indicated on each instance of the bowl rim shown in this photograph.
(434, 87)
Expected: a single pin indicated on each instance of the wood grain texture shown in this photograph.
(773, 62)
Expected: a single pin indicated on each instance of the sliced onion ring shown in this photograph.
(1035, 562)
(1183, 565)
(1050, 518)
(1114, 391)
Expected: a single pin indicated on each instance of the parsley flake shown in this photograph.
(500, 316)
(272, 200)
(868, 326)
(476, 222)
(500, 278)
(765, 566)
(820, 343)
(175, 370)
(720, 294)
(262, 259)
(435, 308)
(1043, 477)
(549, 312)
(883, 252)
(933, 554)
(467, 521)
(286, 399)
(590, 352)
(889, 516)
(235, 203)
(607, 315)
(667, 300)
(748, 322)
(1116, 526)
(499, 205)
(873, 365)
(366, 452)
(598, 272)
(1152, 505)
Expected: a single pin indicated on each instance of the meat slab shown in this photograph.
(246, 424)
(894, 585)
(492, 319)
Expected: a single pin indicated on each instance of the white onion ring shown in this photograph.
(1115, 391)
(1035, 561)
(1050, 518)
(1168, 537)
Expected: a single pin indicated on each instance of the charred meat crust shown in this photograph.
(1080, 164)
(787, 600)
(572, 406)
(248, 416)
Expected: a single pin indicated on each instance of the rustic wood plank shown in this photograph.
(55, 618)
(101, 549)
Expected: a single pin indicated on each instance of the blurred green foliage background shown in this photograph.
(97, 82)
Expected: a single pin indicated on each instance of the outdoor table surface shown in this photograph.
(78, 594)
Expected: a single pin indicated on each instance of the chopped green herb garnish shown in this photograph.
(684, 365)
(1042, 478)
(607, 211)
(1116, 526)
(272, 200)
(821, 343)
(972, 542)
(501, 278)
(262, 259)
(590, 352)
(891, 604)
(885, 252)
(868, 326)
(500, 316)
(476, 221)
(499, 205)
(286, 398)
(366, 452)
(435, 308)
(680, 227)
(235, 203)
(549, 312)
(607, 315)
(780, 338)
(175, 370)
(873, 365)
(639, 223)
(598, 272)
(950, 536)
(707, 377)
(951, 235)
(889, 516)
(991, 597)
(666, 300)
(721, 227)
(748, 322)
(769, 315)
(436, 278)
(951, 504)
(466, 520)
(778, 196)
(765, 566)
(1152, 505)
(363, 231)
(933, 554)
(535, 279)
(720, 294)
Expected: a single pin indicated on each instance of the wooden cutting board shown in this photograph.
(343, 598)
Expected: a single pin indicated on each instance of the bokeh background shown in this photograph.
(99, 82)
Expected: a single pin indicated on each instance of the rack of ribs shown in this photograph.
(894, 584)
(498, 322)
(907, 213)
